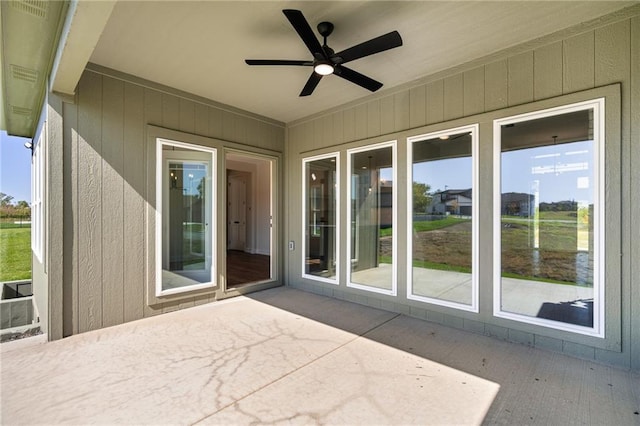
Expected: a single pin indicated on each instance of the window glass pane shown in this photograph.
(547, 202)
(186, 218)
(320, 218)
(371, 233)
(442, 231)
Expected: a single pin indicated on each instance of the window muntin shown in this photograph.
(548, 226)
(442, 236)
(372, 218)
(320, 218)
(185, 218)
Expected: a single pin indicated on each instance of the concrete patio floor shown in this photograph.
(286, 356)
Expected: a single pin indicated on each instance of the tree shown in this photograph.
(421, 197)
(21, 209)
(5, 200)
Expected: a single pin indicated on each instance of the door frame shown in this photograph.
(274, 221)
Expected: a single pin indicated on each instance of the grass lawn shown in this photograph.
(15, 253)
(428, 225)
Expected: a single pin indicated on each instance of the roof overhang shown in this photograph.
(45, 46)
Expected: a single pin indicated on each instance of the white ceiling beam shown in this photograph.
(82, 29)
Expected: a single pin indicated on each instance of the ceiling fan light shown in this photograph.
(323, 69)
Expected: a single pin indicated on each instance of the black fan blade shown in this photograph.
(311, 84)
(357, 78)
(305, 32)
(373, 46)
(277, 62)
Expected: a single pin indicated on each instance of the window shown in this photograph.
(185, 218)
(37, 196)
(372, 218)
(443, 210)
(320, 209)
(548, 223)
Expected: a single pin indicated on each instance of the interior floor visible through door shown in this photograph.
(246, 268)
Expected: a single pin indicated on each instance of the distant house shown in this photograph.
(451, 201)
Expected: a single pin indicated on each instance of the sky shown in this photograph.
(562, 172)
(15, 167)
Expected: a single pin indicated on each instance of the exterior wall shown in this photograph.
(107, 189)
(590, 56)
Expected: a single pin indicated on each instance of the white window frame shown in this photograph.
(598, 106)
(475, 210)
(394, 225)
(160, 184)
(38, 176)
(337, 239)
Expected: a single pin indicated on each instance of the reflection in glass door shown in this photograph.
(548, 205)
(186, 218)
(372, 216)
(443, 235)
(320, 227)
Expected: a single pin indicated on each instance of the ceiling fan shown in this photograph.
(325, 61)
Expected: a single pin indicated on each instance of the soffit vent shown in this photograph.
(36, 8)
(17, 110)
(24, 74)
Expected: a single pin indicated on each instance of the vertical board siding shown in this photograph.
(417, 107)
(109, 185)
(215, 123)
(170, 112)
(89, 204)
(70, 244)
(338, 127)
(361, 121)
(134, 223)
(453, 97)
(349, 125)
(387, 115)
(401, 103)
(52, 311)
(152, 114)
(520, 84)
(496, 85)
(634, 191)
(612, 51)
(473, 95)
(594, 58)
(112, 202)
(187, 116)
(578, 63)
(202, 120)
(547, 71)
(435, 107)
(373, 119)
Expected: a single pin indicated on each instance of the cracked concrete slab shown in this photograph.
(286, 356)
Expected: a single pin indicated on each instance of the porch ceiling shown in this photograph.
(200, 47)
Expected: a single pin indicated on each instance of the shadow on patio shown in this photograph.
(286, 356)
